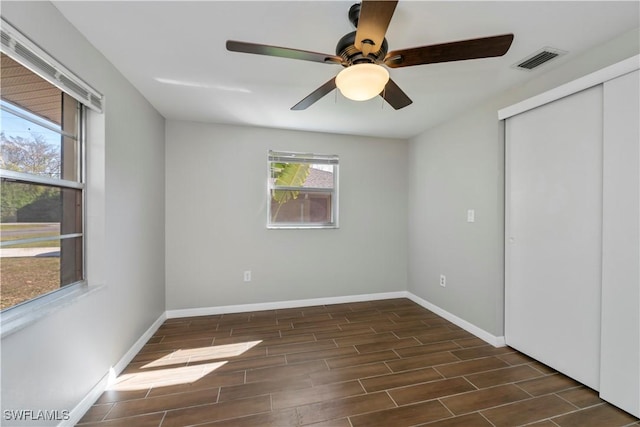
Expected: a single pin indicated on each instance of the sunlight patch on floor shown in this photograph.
(184, 374)
(164, 377)
(201, 354)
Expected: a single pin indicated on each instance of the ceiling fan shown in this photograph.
(363, 52)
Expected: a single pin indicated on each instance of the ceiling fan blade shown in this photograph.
(282, 52)
(395, 96)
(485, 47)
(372, 24)
(315, 95)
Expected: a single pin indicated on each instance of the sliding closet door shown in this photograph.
(554, 234)
(620, 364)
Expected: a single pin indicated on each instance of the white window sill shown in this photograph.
(301, 227)
(16, 318)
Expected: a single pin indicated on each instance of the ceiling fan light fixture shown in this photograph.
(361, 82)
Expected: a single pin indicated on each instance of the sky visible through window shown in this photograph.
(326, 168)
(15, 126)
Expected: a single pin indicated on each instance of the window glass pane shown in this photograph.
(31, 230)
(26, 277)
(70, 144)
(32, 210)
(302, 175)
(30, 148)
(32, 270)
(71, 256)
(320, 176)
(303, 207)
(38, 125)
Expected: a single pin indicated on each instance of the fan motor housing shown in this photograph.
(354, 14)
(347, 50)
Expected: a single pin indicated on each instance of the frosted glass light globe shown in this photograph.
(361, 82)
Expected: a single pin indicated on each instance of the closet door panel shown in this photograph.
(620, 364)
(554, 233)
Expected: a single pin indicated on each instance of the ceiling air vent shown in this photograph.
(538, 58)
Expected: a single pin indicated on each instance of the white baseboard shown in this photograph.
(226, 309)
(137, 346)
(469, 327)
(85, 404)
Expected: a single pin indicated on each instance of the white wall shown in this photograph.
(216, 219)
(459, 165)
(453, 168)
(52, 364)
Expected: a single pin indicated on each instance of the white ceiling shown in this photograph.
(174, 53)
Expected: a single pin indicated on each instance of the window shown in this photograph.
(42, 189)
(303, 190)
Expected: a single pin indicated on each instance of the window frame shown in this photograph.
(22, 50)
(308, 158)
(58, 183)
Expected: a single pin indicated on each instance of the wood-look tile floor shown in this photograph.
(379, 363)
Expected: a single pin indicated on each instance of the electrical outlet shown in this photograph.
(443, 280)
(471, 215)
(247, 276)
